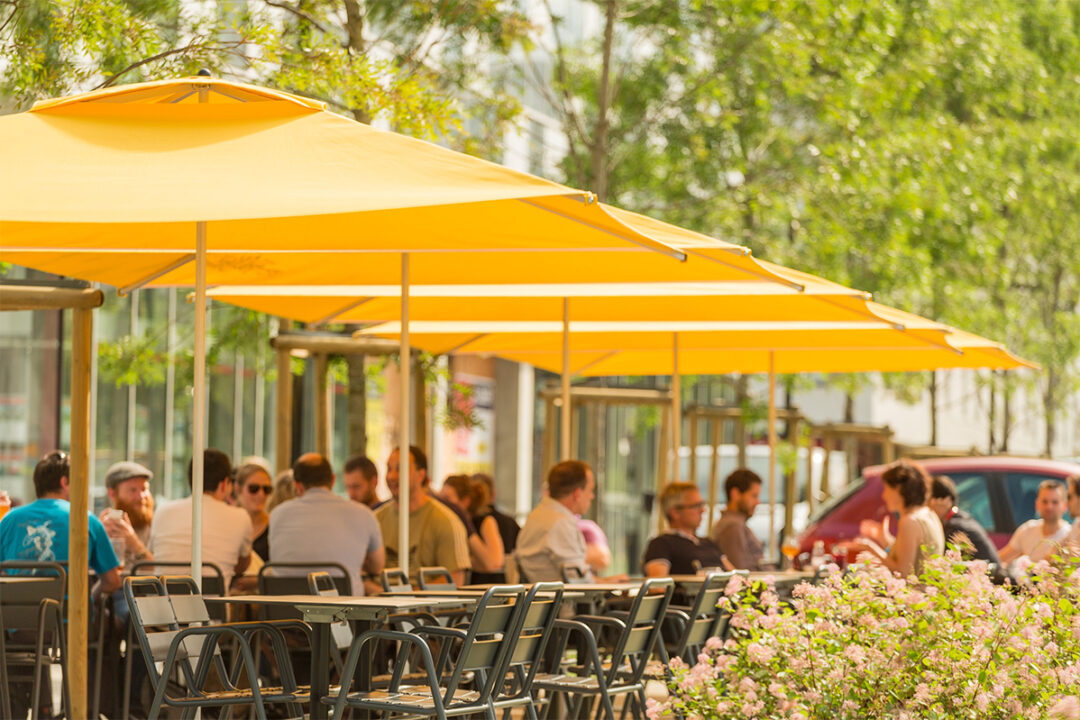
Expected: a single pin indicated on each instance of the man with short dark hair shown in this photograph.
(39, 531)
(319, 526)
(679, 551)
(436, 536)
(361, 479)
(227, 532)
(732, 532)
(550, 537)
(128, 486)
(959, 525)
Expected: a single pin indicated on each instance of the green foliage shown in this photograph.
(131, 360)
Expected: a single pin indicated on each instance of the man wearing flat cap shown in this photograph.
(128, 485)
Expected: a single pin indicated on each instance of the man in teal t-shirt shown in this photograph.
(39, 531)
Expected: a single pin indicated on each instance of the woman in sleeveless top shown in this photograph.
(918, 534)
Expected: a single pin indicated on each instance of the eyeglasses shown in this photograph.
(253, 489)
(694, 506)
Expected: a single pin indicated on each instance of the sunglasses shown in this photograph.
(253, 489)
(694, 506)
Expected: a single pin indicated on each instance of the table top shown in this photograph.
(331, 608)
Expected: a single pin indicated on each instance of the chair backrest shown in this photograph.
(436, 578)
(213, 580)
(395, 580)
(22, 601)
(572, 573)
(537, 623)
(706, 619)
(643, 623)
(289, 578)
(485, 651)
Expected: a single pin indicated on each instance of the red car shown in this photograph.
(998, 491)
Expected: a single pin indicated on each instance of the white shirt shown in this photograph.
(549, 539)
(227, 534)
(320, 526)
(1029, 540)
(1074, 535)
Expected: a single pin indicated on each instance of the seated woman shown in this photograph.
(906, 488)
(485, 545)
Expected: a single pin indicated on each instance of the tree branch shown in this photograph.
(298, 13)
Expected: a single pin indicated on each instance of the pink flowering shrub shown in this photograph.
(868, 645)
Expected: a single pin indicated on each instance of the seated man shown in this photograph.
(128, 485)
(731, 533)
(1039, 538)
(39, 531)
(960, 527)
(679, 551)
(436, 536)
(318, 526)
(361, 481)
(227, 532)
(550, 537)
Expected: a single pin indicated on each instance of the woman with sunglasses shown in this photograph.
(253, 488)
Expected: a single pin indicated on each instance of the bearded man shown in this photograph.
(128, 485)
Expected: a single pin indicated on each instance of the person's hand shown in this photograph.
(874, 530)
(117, 527)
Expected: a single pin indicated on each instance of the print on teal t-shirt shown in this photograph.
(39, 532)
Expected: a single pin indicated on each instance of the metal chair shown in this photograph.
(174, 628)
(481, 649)
(213, 583)
(37, 610)
(542, 606)
(572, 573)
(620, 671)
(695, 624)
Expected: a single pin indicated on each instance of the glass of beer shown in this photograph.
(789, 546)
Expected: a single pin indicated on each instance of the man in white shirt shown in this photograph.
(1072, 484)
(1038, 539)
(227, 532)
(319, 526)
(550, 537)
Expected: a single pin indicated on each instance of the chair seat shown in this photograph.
(418, 696)
(269, 694)
(413, 678)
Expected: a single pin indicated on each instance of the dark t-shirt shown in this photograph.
(470, 529)
(681, 551)
(963, 522)
(508, 529)
(261, 546)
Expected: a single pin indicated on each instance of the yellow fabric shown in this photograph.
(135, 168)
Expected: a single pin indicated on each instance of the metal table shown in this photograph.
(322, 611)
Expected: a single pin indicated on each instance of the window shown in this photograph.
(974, 497)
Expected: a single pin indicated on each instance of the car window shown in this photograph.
(975, 497)
(1023, 489)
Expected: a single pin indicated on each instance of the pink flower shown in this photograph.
(1067, 708)
(760, 654)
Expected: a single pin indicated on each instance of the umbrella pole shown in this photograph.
(78, 568)
(403, 429)
(198, 420)
(676, 409)
(772, 455)
(564, 426)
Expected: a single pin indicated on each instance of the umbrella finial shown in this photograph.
(203, 73)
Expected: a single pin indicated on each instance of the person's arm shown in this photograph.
(905, 548)
(459, 577)
(657, 568)
(487, 547)
(1011, 551)
(597, 557)
(108, 582)
(242, 564)
(375, 561)
(122, 528)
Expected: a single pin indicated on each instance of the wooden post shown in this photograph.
(692, 441)
(79, 528)
(790, 486)
(714, 468)
(676, 409)
(283, 422)
(550, 445)
(810, 492)
(826, 443)
(404, 423)
(322, 406)
(565, 453)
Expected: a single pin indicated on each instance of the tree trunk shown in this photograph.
(599, 150)
(357, 404)
(933, 408)
(849, 407)
(1006, 419)
(1050, 410)
(991, 444)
